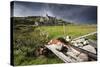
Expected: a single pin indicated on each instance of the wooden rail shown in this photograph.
(85, 35)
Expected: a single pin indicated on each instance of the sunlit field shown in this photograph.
(70, 30)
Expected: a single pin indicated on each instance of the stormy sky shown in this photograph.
(67, 12)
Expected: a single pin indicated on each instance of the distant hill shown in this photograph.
(38, 20)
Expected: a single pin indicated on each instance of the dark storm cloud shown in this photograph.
(73, 13)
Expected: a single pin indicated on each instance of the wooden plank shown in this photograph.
(92, 43)
(91, 55)
(59, 54)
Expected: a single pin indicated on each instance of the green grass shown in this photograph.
(71, 30)
(25, 40)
